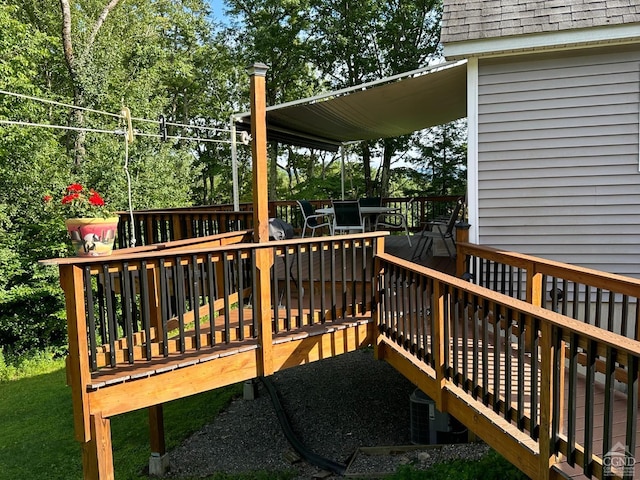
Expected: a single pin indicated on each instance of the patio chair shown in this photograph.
(394, 220)
(312, 220)
(444, 230)
(347, 217)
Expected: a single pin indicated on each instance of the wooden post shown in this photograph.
(547, 456)
(97, 453)
(258, 71)
(534, 286)
(150, 233)
(178, 234)
(378, 271)
(159, 461)
(155, 297)
(533, 296)
(78, 372)
(264, 256)
(462, 236)
(156, 430)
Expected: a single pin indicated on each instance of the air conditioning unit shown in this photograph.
(429, 426)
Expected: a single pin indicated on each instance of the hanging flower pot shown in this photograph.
(91, 226)
(92, 237)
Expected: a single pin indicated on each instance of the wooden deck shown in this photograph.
(322, 304)
(491, 383)
(397, 245)
(295, 286)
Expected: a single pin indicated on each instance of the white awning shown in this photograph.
(386, 108)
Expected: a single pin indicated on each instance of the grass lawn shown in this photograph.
(36, 428)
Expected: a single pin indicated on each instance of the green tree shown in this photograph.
(442, 157)
(275, 33)
(314, 45)
(358, 41)
(29, 161)
(82, 72)
(148, 56)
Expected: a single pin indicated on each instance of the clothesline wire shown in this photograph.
(174, 124)
(115, 115)
(178, 137)
(114, 132)
(60, 104)
(48, 125)
(128, 118)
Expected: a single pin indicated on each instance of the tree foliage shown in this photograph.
(153, 57)
(169, 58)
(359, 41)
(316, 45)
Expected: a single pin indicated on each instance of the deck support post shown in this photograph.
(97, 453)
(159, 460)
(264, 256)
(78, 371)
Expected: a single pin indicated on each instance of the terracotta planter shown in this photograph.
(92, 237)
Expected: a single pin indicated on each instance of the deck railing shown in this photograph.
(608, 301)
(151, 309)
(479, 343)
(195, 295)
(153, 226)
(147, 227)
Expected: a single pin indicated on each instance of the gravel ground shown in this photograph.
(338, 408)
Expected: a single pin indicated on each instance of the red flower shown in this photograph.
(80, 202)
(95, 199)
(67, 199)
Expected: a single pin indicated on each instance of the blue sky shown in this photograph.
(217, 9)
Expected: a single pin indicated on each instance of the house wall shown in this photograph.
(558, 156)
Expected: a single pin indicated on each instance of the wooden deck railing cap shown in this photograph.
(612, 339)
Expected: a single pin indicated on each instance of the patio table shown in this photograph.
(377, 210)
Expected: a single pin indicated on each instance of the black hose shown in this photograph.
(301, 448)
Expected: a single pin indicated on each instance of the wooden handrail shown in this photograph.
(490, 323)
(611, 339)
(602, 299)
(596, 278)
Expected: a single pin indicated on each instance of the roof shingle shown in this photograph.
(471, 20)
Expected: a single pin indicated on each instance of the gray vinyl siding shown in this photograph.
(558, 157)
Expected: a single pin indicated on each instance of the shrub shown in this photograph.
(32, 318)
(35, 363)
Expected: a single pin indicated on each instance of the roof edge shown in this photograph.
(536, 42)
